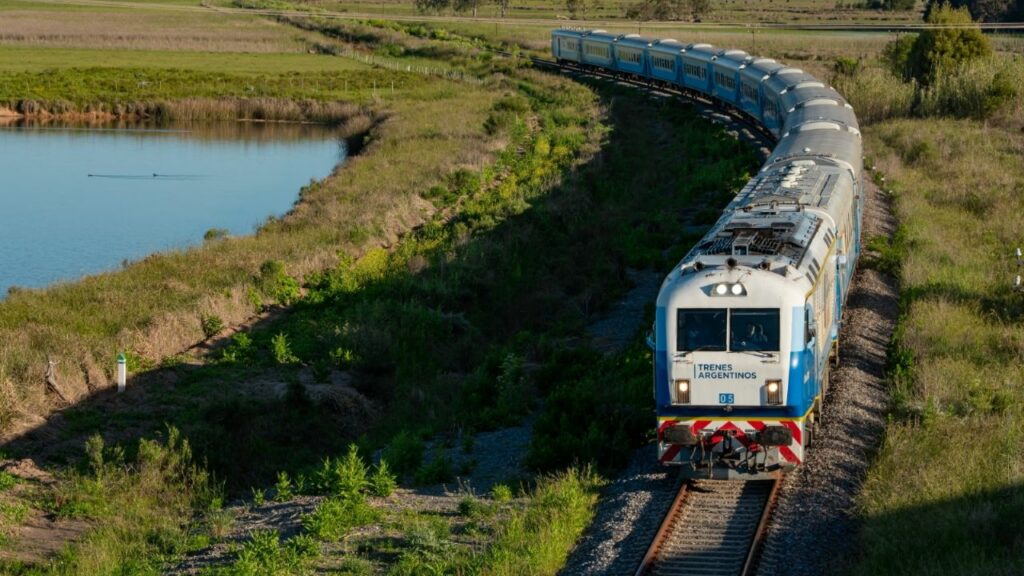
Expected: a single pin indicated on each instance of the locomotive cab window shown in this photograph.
(754, 330)
(701, 329)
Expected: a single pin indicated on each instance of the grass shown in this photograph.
(947, 487)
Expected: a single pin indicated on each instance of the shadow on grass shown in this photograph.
(974, 534)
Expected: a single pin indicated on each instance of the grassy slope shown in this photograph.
(947, 491)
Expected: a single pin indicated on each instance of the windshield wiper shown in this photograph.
(711, 347)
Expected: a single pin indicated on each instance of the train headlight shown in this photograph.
(682, 391)
(729, 288)
(773, 391)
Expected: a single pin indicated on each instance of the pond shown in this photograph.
(81, 200)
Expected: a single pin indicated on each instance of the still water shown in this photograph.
(80, 200)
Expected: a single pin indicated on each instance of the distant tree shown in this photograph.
(465, 5)
(435, 6)
(939, 49)
(664, 10)
(984, 10)
(896, 55)
(577, 9)
(503, 6)
(701, 8)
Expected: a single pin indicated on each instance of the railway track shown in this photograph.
(714, 528)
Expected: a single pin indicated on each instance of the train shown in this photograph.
(746, 329)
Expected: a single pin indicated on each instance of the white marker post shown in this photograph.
(122, 373)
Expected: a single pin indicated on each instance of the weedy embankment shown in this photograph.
(946, 490)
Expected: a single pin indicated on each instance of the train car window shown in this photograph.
(700, 329)
(754, 330)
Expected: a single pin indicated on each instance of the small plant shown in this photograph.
(254, 298)
(501, 493)
(405, 453)
(265, 554)
(259, 497)
(7, 480)
(211, 324)
(472, 507)
(277, 284)
(437, 471)
(284, 488)
(281, 350)
(345, 478)
(215, 234)
(334, 518)
(382, 482)
(220, 522)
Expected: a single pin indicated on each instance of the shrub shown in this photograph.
(284, 488)
(276, 284)
(382, 482)
(437, 471)
(215, 234)
(265, 554)
(7, 480)
(501, 493)
(344, 478)
(281, 350)
(939, 50)
(334, 518)
(211, 324)
(405, 453)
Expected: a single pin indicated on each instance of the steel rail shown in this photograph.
(710, 529)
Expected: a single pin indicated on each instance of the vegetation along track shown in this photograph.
(713, 528)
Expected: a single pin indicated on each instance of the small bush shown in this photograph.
(344, 478)
(7, 480)
(382, 482)
(405, 453)
(281, 350)
(215, 234)
(334, 518)
(501, 493)
(277, 284)
(284, 489)
(437, 471)
(265, 554)
(211, 324)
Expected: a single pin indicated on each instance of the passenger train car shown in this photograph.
(747, 324)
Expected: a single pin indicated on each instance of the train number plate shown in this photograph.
(726, 398)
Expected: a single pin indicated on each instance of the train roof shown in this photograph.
(634, 40)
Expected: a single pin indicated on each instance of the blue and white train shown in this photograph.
(747, 324)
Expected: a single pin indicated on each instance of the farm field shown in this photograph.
(426, 294)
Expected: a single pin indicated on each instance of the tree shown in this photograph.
(424, 6)
(577, 9)
(503, 5)
(984, 10)
(699, 9)
(941, 49)
(464, 5)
